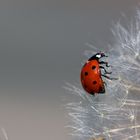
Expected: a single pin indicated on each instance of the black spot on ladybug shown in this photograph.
(86, 73)
(93, 67)
(94, 82)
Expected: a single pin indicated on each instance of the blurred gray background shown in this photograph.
(41, 46)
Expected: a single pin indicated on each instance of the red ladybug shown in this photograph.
(91, 76)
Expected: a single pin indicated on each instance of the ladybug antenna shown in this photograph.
(104, 54)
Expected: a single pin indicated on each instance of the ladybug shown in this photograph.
(91, 76)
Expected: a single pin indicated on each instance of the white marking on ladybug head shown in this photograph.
(98, 55)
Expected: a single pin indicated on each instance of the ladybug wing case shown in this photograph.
(91, 77)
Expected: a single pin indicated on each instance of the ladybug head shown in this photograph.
(99, 55)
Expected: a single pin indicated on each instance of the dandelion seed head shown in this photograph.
(113, 115)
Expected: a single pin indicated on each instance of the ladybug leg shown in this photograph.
(106, 63)
(109, 77)
(105, 83)
(92, 93)
(106, 72)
